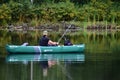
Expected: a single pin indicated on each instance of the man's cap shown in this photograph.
(45, 32)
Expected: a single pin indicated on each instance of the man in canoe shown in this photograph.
(45, 41)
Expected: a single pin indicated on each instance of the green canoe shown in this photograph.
(18, 49)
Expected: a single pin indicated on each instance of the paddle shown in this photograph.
(65, 31)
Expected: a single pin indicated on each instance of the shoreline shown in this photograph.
(58, 27)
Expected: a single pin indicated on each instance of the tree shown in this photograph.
(5, 14)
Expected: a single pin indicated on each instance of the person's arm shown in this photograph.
(52, 43)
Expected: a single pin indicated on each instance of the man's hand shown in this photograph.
(57, 43)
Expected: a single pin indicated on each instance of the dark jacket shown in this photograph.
(44, 41)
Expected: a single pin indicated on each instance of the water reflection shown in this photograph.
(101, 58)
(46, 60)
(44, 57)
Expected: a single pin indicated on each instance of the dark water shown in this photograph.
(101, 57)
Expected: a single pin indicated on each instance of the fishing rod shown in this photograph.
(64, 34)
(65, 31)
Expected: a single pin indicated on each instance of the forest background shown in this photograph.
(38, 12)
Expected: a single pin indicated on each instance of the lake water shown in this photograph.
(100, 61)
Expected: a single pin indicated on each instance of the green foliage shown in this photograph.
(59, 11)
(4, 14)
(34, 23)
(25, 11)
(20, 11)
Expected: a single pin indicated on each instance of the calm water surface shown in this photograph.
(100, 61)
